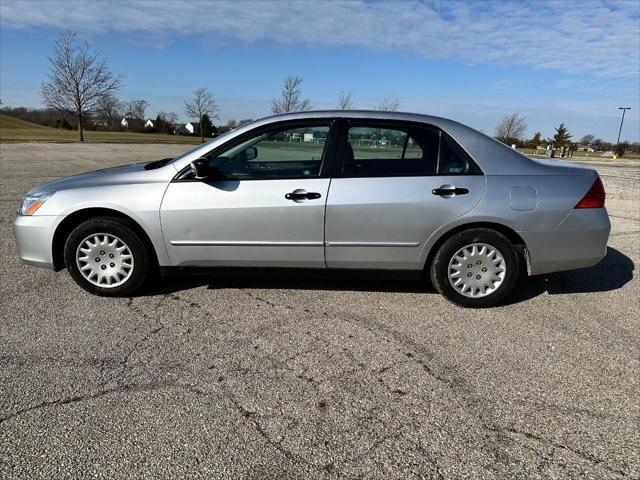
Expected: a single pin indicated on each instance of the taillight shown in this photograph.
(594, 198)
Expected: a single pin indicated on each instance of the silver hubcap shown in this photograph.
(477, 270)
(104, 260)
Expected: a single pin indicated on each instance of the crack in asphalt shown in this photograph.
(124, 363)
(77, 362)
(401, 339)
(333, 466)
(160, 326)
(262, 300)
(473, 405)
(248, 415)
(464, 392)
(128, 388)
(556, 445)
(253, 418)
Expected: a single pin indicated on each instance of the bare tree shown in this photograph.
(170, 117)
(77, 79)
(290, 97)
(166, 122)
(587, 140)
(389, 105)
(344, 102)
(202, 104)
(232, 124)
(137, 109)
(511, 128)
(109, 112)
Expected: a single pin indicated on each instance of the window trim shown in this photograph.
(346, 124)
(406, 142)
(326, 163)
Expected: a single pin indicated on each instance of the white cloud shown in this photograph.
(596, 38)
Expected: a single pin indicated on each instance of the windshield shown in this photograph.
(200, 145)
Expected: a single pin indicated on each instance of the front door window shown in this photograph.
(277, 154)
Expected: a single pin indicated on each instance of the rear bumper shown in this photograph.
(579, 241)
(34, 238)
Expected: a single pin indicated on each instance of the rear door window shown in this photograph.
(384, 151)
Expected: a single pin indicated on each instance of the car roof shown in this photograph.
(359, 114)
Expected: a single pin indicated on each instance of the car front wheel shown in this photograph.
(106, 257)
(476, 268)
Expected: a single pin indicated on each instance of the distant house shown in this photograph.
(149, 124)
(584, 148)
(180, 129)
(129, 123)
(191, 128)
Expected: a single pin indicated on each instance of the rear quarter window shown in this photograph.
(454, 160)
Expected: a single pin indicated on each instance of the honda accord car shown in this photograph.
(325, 190)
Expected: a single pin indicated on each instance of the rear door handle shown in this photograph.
(448, 191)
(300, 195)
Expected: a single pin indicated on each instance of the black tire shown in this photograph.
(440, 267)
(119, 228)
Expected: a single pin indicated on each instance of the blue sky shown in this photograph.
(551, 61)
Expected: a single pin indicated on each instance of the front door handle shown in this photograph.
(448, 191)
(300, 195)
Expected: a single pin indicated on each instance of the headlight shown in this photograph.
(33, 201)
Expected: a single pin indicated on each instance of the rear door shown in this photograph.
(268, 210)
(394, 185)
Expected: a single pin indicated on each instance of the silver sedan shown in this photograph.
(325, 190)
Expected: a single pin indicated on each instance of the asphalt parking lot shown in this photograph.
(263, 377)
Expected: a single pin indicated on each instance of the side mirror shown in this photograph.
(200, 167)
(203, 168)
(251, 153)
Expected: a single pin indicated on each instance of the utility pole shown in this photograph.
(624, 109)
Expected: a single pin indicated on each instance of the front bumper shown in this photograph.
(34, 238)
(579, 241)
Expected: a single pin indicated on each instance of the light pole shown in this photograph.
(624, 109)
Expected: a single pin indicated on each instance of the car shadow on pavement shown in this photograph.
(611, 273)
(293, 279)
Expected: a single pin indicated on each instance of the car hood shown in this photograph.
(122, 175)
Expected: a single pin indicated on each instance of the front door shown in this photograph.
(395, 186)
(266, 207)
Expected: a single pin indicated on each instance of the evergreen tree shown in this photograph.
(536, 140)
(562, 136)
(206, 126)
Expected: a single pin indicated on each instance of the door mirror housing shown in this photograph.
(202, 168)
(251, 153)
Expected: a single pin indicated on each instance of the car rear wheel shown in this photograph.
(476, 268)
(106, 257)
